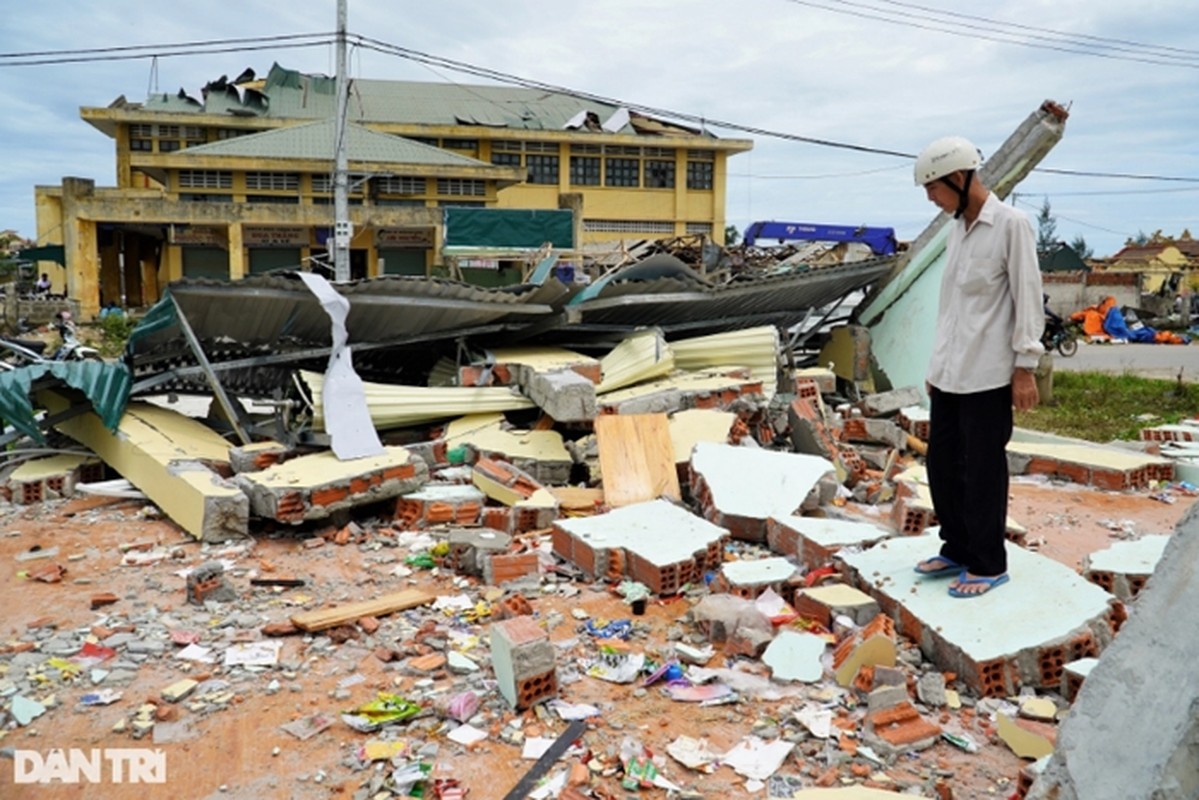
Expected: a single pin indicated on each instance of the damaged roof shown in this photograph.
(317, 141)
(291, 94)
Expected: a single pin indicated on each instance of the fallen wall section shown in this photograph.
(167, 456)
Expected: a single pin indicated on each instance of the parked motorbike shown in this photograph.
(71, 348)
(1058, 336)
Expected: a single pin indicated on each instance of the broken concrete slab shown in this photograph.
(257, 456)
(52, 477)
(881, 404)
(795, 656)
(656, 543)
(564, 395)
(440, 504)
(314, 486)
(750, 577)
(636, 458)
(813, 541)
(1124, 568)
(168, 456)
(514, 366)
(1133, 727)
(533, 506)
(826, 603)
(471, 548)
(871, 645)
(715, 388)
(1000, 641)
(1089, 465)
(739, 488)
(825, 379)
(541, 453)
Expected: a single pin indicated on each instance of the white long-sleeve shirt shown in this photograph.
(991, 312)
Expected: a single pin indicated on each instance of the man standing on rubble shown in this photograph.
(987, 344)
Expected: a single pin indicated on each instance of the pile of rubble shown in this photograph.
(650, 546)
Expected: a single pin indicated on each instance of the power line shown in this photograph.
(1017, 25)
(981, 32)
(49, 57)
(1019, 199)
(131, 52)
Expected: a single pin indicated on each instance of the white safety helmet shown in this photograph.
(944, 157)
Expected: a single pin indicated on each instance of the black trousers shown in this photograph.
(968, 475)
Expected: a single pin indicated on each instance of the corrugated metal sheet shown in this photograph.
(756, 348)
(399, 406)
(272, 316)
(686, 304)
(317, 141)
(105, 385)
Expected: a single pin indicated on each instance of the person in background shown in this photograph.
(43, 285)
(987, 344)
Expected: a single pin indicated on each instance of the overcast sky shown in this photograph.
(825, 69)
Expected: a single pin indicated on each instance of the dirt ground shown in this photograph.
(240, 750)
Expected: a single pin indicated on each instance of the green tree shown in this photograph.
(1080, 246)
(1046, 229)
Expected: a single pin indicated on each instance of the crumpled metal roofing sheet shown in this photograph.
(278, 311)
(685, 303)
(106, 386)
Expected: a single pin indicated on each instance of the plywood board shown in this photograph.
(387, 604)
(636, 458)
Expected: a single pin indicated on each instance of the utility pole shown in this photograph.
(342, 229)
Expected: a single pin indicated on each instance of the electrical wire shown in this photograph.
(131, 52)
(980, 32)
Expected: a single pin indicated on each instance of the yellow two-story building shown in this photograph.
(240, 181)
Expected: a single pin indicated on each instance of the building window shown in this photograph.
(506, 159)
(460, 204)
(191, 197)
(273, 181)
(460, 144)
(205, 179)
(168, 131)
(700, 174)
(142, 131)
(627, 226)
(400, 184)
(461, 186)
(169, 145)
(431, 142)
(230, 133)
(700, 227)
(541, 147)
(504, 146)
(144, 145)
(622, 172)
(585, 170)
(273, 198)
(659, 174)
(542, 169)
(659, 152)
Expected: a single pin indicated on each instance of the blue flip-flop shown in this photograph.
(951, 568)
(990, 583)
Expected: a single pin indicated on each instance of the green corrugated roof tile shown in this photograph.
(315, 140)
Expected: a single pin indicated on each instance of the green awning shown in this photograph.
(501, 228)
(46, 252)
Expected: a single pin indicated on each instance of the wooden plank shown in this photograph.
(387, 604)
(636, 458)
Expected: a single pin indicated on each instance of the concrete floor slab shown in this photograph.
(1137, 557)
(758, 572)
(1020, 634)
(832, 534)
(756, 483)
(666, 545)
